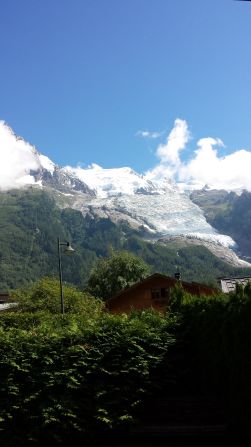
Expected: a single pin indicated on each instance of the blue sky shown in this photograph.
(81, 79)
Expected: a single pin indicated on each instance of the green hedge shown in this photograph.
(214, 336)
(68, 378)
(74, 377)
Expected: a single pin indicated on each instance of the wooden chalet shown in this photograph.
(153, 291)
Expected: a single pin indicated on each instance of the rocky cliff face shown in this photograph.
(62, 181)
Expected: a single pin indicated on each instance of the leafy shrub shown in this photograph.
(119, 271)
(44, 295)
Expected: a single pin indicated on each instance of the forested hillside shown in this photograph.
(30, 222)
(228, 213)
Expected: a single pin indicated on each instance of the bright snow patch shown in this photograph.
(46, 163)
(118, 181)
(220, 239)
(169, 214)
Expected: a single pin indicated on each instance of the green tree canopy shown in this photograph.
(115, 273)
(44, 295)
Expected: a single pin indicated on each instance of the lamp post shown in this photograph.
(68, 250)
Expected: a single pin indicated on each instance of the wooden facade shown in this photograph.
(154, 292)
(4, 297)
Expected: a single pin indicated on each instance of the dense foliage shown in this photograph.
(70, 379)
(73, 378)
(115, 273)
(214, 340)
(44, 295)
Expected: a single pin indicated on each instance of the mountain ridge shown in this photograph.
(156, 209)
(31, 220)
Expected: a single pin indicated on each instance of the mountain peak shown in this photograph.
(120, 194)
(22, 166)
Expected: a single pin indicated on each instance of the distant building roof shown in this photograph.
(229, 284)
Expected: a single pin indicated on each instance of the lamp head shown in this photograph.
(69, 250)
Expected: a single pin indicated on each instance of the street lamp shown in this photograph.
(69, 251)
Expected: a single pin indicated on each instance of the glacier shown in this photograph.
(171, 214)
(121, 194)
(159, 207)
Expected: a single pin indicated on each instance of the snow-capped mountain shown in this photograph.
(170, 213)
(61, 180)
(157, 207)
(21, 165)
(50, 175)
(118, 181)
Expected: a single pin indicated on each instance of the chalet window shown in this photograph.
(155, 294)
(163, 293)
(158, 294)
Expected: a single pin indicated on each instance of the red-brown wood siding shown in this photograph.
(140, 296)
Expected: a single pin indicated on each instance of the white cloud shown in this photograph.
(148, 134)
(176, 142)
(206, 166)
(169, 153)
(17, 158)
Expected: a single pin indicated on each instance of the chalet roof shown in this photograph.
(229, 284)
(160, 276)
(136, 284)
